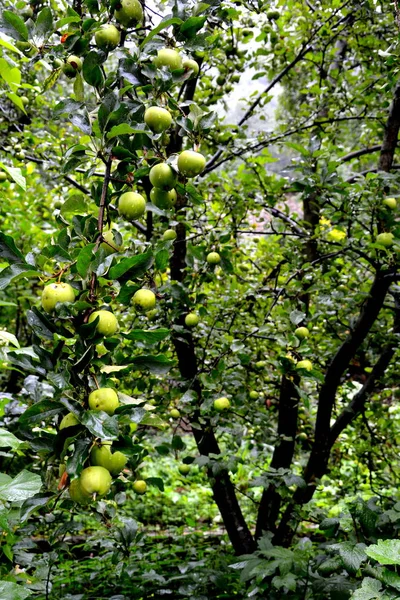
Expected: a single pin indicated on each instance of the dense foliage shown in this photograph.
(199, 300)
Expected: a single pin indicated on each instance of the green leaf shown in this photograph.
(370, 590)
(23, 486)
(287, 581)
(78, 88)
(8, 250)
(385, 552)
(15, 174)
(162, 25)
(40, 324)
(124, 129)
(9, 46)
(100, 424)
(84, 259)
(40, 411)
(161, 259)
(149, 337)
(51, 80)
(75, 205)
(15, 271)
(44, 24)
(132, 267)
(156, 364)
(352, 556)
(156, 482)
(15, 99)
(190, 27)
(8, 440)
(14, 26)
(296, 317)
(13, 591)
(91, 70)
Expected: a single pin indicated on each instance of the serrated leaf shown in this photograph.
(132, 266)
(124, 129)
(51, 79)
(158, 364)
(296, 317)
(13, 591)
(23, 486)
(8, 250)
(15, 271)
(369, 590)
(91, 70)
(100, 424)
(14, 26)
(385, 552)
(40, 411)
(44, 23)
(352, 556)
(84, 259)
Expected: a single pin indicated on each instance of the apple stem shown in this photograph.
(95, 380)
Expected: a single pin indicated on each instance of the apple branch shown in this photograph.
(103, 197)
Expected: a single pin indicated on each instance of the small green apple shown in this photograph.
(152, 314)
(129, 12)
(213, 258)
(139, 486)
(144, 299)
(100, 456)
(191, 65)
(107, 37)
(184, 469)
(162, 176)
(304, 364)
(72, 66)
(77, 494)
(301, 333)
(191, 320)
(191, 163)
(169, 235)
(117, 463)
(69, 420)
(95, 480)
(221, 404)
(157, 119)
(253, 395)
(162, 198)
(3, 176)
(107, 324)
(105, 399)
(260, 364)
(131, 205)
(390, 202)
(56, 292)
(385, 239)
(174, 413)
(166, 57)
(110, 244)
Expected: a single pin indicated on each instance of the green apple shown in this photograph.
(129, 12)
(162, 198)
(191, 320)
(157, 119)
(273, 15)
(390, 202)
(107, 37)
(131, 205)
(253, 395)
(162, 176)
(304, 364)
(385, 239)
(221, 404)
(76, 492)
(174, 413)
(69, 420)
(56, 292)
(107, 324)
(152, 314)
(3, 176)
(27, 12)
(144, 299)
(110, 244)
(95, 480)
(139, 486)
(184, 469)
(301, 333)
(169, 235)
(166, 57)
(191, 65)
(100, 456)
(191, 163)
(260, 364)
(117, 463)
(72, 66)
(213, 258)
(24, 100)
(133, 427)
(104, 399)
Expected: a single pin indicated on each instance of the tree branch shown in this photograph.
(358, 153)
(391, 133)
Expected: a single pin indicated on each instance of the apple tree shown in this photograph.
(167, 261)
